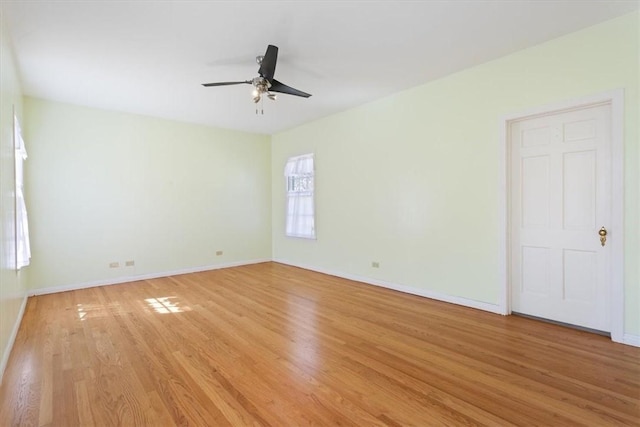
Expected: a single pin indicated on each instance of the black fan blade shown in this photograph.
(227, 83)
(268, 66)
(276, 86)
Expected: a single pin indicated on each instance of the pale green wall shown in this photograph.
(412, 180)
(105, 186)
(12, 284)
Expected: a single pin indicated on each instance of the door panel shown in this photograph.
(535, 191)
(579, 275)
(579, 189)
(535, 271)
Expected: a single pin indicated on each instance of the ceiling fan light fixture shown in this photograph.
(265, 83)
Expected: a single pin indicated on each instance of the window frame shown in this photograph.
(300, 172)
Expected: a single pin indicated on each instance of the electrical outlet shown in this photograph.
(114, 264)
(375, 264)
(218, 253)
(130, 263)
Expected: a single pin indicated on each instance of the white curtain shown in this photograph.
(298, 166)
(23, 248)
(300, 218)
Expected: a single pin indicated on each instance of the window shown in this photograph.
(23, 249)
(299, 174)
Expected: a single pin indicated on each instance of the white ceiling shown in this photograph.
(150, 57)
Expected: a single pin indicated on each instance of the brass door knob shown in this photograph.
(603, 236)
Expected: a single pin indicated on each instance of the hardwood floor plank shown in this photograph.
(83, 407)
(45, 415)
(273, 345)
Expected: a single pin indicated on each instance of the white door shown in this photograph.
(560, 198)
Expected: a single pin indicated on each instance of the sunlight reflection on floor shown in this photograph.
(161, 305)
(86, 311)
(303, 327)
(164, 305)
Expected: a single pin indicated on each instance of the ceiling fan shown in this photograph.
(265, 84)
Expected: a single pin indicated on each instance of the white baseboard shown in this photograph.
(630, 339)
(12, 338)
(493, 308)
(119, 280)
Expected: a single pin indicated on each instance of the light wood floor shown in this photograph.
(269, 344)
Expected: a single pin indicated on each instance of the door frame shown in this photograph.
(615, 98)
